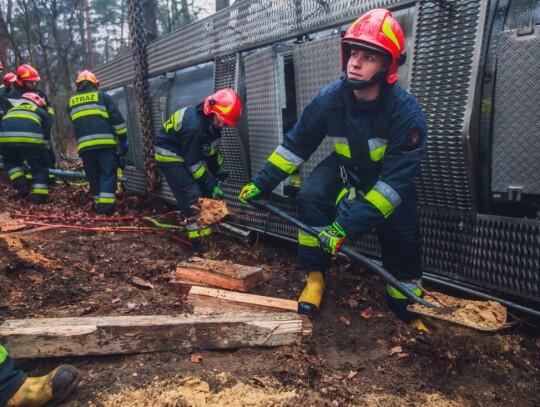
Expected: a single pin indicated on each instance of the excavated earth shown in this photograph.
(358, 355)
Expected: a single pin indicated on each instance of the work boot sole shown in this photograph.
(59, 395)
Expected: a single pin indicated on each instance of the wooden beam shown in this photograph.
(222, 274)
(211, 300)
(52, 337)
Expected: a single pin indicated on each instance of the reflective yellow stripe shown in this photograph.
(168, 159)
(199, 173)
(397, 294)
(343, 149)
(380, 202)
(282, 163)
(16, 175)
(219, 159)
(378, 153)
(103, 200)
(98, 142)
(89, 112)
(387, 30)
(307, 240)
(23, 116)
(121, 131)
(3, 354)
(343, 192)
(194, 234)
(40, 191)
(29, 140)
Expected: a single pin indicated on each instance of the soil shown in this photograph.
(359, 353)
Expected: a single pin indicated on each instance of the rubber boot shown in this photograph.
(48, 390)
(398, 303)
(198, 246)
(311, 297)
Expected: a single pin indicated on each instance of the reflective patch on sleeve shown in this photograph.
(384, 198)
(285, 160)
(3, 354)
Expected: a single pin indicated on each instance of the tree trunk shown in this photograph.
(150, 22)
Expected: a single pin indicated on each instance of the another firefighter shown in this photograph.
(100, 129)
(187, 151)
(379, 135)
(26, 80)
(16, 389)
(9, 78)
(24, 134)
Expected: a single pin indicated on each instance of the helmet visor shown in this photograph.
(364, 46)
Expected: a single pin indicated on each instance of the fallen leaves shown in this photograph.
(344, 320)
(367, 313)
(196, 358)
(142, 283)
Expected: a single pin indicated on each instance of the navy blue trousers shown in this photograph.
(100, 168)
(185, 189)
(398, 235)
(10, 379)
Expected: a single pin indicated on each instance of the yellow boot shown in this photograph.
(48, 390)
(311, 297)
(418, 325)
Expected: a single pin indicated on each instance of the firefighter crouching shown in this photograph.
(379, 135)
(187, 151)
(99, 129)
(24, 133)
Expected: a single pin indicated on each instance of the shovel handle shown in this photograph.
(385, 275)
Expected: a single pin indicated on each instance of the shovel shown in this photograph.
(385, 275)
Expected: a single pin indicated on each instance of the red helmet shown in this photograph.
(34, 97)
(226, 104)
(377, 30)
(26, 73)
(8, 79)
(86, 75)
(1, 65)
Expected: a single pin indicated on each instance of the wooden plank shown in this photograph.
(12, 225)
(208, 299)
(223, 274)
(52, 337)
(183, 286)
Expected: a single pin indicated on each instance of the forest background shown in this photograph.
(62, 37)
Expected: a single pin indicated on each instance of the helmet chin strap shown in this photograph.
(378, 78)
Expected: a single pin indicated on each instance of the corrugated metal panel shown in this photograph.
(516, 130)
(448, 39)
(242, 26)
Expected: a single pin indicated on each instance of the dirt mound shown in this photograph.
(193, 391)
(486, 315)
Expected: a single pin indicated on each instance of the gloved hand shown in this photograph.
(217, 193)
(248, 192)
(222, 174)
(331, 238)
(124, 147)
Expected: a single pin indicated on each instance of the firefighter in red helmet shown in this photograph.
(27, 78)
(187, 151)
(379, 135)
(100, 129)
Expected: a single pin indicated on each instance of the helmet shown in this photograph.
(8, 79)
(34, 97)
(26, 73)
(86, 75)
(379, 31)
(1, 65)
(226, 104)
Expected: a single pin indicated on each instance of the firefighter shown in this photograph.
(24, 133)
(26, 80)
(187, 151)
(100, 130)
(379, 135)
(16, 389)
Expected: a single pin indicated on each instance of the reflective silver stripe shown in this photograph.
(94, 137)
(107, 195)
(195, 167)
(340, 140)
(40, 186)
(166, 153)
(119, 127)
(289, 156)
(192, 226)
(92, 106)
(215, 143)
(375, 143)
(16, 169)
(388, 192)
(180, 118)
(20, 134)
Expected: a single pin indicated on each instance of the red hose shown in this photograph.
(105, 219)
